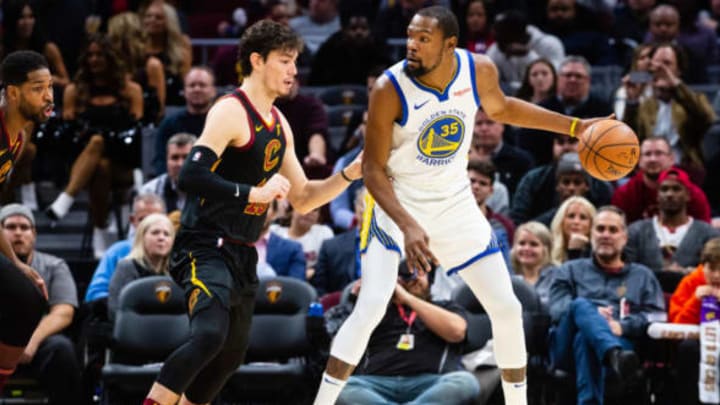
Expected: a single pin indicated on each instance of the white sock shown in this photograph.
(330, 388)
(62, 204)
(515, 392)
(28, 196)
(102, 239)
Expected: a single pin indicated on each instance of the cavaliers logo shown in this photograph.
(442, 137)
(271, 154)
(192, 301)
(5, 167)
(162, 291)
(273, 290)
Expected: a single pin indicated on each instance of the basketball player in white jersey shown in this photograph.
(420, 124)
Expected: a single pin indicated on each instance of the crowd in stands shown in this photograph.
(602, 257)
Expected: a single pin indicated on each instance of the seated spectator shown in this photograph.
(338, 261)
(284, 256)
(101, 102)
(149, 256)
(517, 44)
(167, 43)
(600, 307)
(199, 94)
(306, 229)
(143, 205)
(126, 34)
(320, 22)
(710, 17)
(637, 80)
(477, 35)
(165, 185)
(671, 241)
(530, 258)
(674, 112)
(631, 20)
(482, 177)
(49, 355)
(571, 229)
(638, 198)
(573, 98)
(539, 82)
(414, 353)
(347, 55)
(703, 281)
(309, 122)
(579, 30)
(511, 162)
(393, 18)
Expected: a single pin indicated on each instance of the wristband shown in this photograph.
(573, 125)
(344, 176)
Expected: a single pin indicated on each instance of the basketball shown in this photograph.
(608, 150)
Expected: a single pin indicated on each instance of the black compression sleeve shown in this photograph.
(196, 177)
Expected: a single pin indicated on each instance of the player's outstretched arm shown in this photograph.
(384, 109)
(513, 111)
(306, 195)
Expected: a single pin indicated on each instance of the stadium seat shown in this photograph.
(342, 115)
(344, 94)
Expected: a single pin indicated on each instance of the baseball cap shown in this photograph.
(569, 163)
(676, 174)
(10, 210)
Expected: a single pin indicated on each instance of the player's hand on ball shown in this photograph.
(586, 123)
(417, 252)
(276, 188)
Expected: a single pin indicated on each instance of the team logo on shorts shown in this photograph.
(192, 300)
(440, 139)
(273, 290)
(162, 291)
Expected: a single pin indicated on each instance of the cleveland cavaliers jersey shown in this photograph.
(431, 141)
(8, 151)
(252, 164)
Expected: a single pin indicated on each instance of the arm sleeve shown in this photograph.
(684, 305)
(198, 178)
(561, 293)
(62, 288)
(635, 325)
(124, 274)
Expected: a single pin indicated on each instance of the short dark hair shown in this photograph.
(264, 37)
(616, 210)
(445, 18)
(484, 167)
(17, 65)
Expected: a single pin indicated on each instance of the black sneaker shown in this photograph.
(624, 364)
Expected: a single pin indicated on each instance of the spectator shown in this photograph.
(102, 102)
(393, 19)
(20, 32)
(632, 20)
(517, 44)
(97, 290)
(539, 82)
(671, 241)
(165, 185)
(199, 94)
(348, 55)
(543, 189)
(675, 111)
(304, 228)
(578, 29)
(638, 197)
(309, 122)
(571, 230)
(573, 97)
(126, 34)
(476, 36)
(284, 256)
(149, 256)
(167, 43)
(319, 24)
(422, 365)
(341, 208)
(709, 18)
(338, 261)
(639, 78)
(49, 355)
(600, 306)
(511, 162)
(530, 258)
(482, 177)
(685, 305)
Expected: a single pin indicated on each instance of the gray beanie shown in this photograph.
(16, 209)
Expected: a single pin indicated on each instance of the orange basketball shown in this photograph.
(609, 150)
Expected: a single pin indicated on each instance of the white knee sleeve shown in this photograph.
(379, 276)
(489, 280)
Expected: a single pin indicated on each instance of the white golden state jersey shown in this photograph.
(431, 141)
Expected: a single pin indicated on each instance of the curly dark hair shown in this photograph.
(114, 76)
(264, 37)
